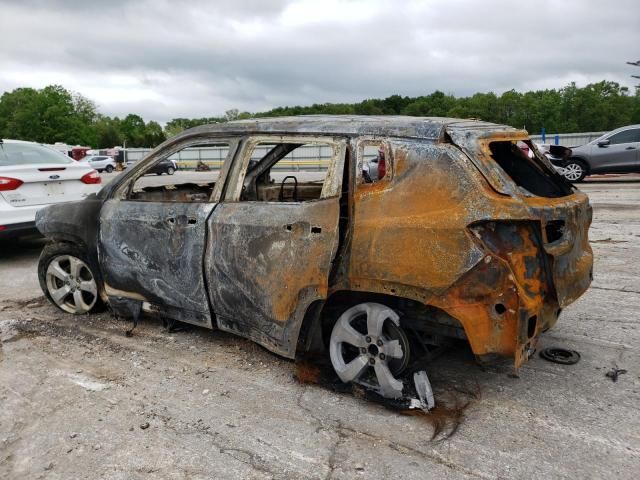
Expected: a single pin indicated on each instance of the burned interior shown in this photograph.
(170, 189)
(529, 173)
(407, 234)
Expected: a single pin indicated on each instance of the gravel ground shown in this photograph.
(80, 400)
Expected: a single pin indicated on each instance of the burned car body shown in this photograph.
(462, 236)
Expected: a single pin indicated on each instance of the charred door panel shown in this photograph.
(153, 251)
(266, 262)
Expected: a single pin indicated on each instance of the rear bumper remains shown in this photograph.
(531, 270)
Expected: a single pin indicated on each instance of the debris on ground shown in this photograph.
(559, 355)
(419, 400)
(607, 240)
(614, 373)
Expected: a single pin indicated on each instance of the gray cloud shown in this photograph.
(165, 59)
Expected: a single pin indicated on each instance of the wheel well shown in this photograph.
(414, 316)
(582, 161)
(60, 237)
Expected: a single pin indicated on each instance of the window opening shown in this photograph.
(186, 176)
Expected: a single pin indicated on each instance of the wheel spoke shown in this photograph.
(56, 270)
(389, 386)
(79, 302)
(88, 286)
(353, 369)
(375, 319)
(75, 266)
(60, 294)
(345, 333)
(394, 349)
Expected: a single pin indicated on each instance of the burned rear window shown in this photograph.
(527, 171)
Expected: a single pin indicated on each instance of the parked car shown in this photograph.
(165, 166)
(615, 152)
(463, 237)
(101, 163)
(33, 176)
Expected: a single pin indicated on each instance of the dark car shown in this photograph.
(615, 152)
(164, 166)
(460, 235)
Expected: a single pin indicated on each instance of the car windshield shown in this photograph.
(30, 154)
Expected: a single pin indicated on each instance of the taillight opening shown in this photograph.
(8, 183)
(92, 177)
(382, 167)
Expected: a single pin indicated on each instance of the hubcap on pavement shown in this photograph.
(363, 340)
(71, 284)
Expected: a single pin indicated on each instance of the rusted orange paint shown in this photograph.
(411, 238)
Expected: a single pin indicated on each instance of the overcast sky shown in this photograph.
(166, 59)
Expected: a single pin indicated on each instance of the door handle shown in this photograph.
(181, 221)
(299, 227)
(630, 148)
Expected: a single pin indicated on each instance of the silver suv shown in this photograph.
(615, 152)
(102, 163)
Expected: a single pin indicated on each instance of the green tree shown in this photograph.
(52, 114)
(108, 133)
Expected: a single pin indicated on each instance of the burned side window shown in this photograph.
(288, 171)
(374, 160)
(526, 170)
(188, 175)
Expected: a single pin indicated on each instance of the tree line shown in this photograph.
(54, 114)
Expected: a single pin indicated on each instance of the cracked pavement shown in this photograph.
(75, 393)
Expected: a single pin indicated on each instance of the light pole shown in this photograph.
(635, 64)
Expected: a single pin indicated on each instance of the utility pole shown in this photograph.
(635, 64)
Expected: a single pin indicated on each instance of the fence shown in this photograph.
(567, 139)
(307, 157)
(315, 157)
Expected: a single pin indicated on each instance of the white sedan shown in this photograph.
(33, 176)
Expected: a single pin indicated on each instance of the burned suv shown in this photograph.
(459, 235)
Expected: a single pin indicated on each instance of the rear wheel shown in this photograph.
(67, 279)
(575, 171)
(369, 347)
(171, 170)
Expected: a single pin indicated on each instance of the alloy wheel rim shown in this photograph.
(71, 284)
(371, 350)
(573, 171)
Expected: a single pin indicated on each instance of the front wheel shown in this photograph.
(171, 171)
(67, 279)
(575, 171)
(369, 347)
(109, 168)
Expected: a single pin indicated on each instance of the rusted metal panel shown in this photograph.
(266, 263)
(409, 235)
(412, 238)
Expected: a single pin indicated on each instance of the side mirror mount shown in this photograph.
(603, 143)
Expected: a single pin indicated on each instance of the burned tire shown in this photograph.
(67, 279)
(575, 170)
(369, 347)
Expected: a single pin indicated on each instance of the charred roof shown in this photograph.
(432, 128)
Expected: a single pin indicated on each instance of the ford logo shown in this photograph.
(54, 177)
